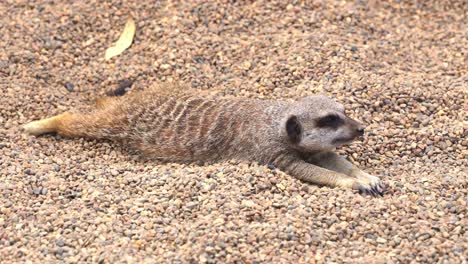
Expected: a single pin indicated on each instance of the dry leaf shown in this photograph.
(125, 40)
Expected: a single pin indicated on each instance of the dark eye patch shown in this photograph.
(333, 121)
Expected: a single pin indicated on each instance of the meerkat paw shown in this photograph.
(368, 184)
(364, 183)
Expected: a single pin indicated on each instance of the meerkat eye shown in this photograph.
(332, 120)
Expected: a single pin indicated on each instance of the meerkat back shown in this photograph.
(164, 122)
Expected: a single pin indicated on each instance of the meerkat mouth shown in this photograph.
(343, 140)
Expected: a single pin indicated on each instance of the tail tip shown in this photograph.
(35, 128)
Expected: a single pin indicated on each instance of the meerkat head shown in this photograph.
(318, 123)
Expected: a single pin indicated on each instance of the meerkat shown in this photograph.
(173, 124)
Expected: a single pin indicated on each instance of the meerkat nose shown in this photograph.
(360, 130)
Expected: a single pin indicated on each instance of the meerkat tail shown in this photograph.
(75, 125)
(43, 126)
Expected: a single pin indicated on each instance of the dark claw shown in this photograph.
(382, 189)
(377, 190)
(366, 191)
(379, 193)
(374, 191)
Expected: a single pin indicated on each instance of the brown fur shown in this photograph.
(172, 124)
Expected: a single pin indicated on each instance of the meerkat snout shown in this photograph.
(357, 128)
(360, 130)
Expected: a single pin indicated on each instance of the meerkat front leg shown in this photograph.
(302, 170)
(365, 182)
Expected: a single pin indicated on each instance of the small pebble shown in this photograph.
(69, 86)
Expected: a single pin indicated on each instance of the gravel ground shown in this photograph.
(400, 67)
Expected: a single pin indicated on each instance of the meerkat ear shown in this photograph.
(294, 129)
